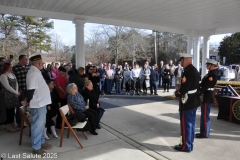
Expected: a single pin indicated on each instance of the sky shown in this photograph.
(66, 30)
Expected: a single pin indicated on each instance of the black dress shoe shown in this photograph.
(155, 93)
(179, 148)
(98, 126)
(93, 132)
(198, 135)
(179, 145)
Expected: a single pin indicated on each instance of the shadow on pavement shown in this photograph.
(114, 101)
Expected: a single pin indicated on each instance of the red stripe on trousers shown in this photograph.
(184, 133)
(204, 118)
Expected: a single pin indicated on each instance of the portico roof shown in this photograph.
(196, 17)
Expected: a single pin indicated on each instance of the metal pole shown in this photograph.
(156, 47)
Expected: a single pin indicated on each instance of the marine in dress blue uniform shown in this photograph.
(188, 102)
(206, 88)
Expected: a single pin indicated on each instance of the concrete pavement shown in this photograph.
(137, 127)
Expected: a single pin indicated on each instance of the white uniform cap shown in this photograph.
(184, 55)
(211, 61)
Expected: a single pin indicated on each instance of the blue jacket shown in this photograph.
(77, 102)
(154, 76)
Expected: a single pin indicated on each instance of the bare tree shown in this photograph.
(135, 45)
(116, 38)
(57, 46)
(96, 47)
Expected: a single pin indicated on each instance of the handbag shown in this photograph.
(167, 77)
(72, 119)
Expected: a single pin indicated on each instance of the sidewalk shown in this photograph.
(137, 127)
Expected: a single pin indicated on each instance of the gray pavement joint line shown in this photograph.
(132, 142)
(75, 149)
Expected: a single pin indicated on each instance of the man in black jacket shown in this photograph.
(207, 88)
(188, 103)
(76, 77)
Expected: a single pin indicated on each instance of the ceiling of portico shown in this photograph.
(179, 16)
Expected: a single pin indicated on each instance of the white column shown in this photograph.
(196, 55)
(80, 54)
(205, 54)
(190, 45)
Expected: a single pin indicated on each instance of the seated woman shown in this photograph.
(52, 109)
(78, 104)
(90, 94)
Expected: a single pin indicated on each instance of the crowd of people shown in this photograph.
(134, 79)
(228, 74)
(45, 89)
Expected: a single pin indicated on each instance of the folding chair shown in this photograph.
(63, 111)
(72, 112)
(24, 120)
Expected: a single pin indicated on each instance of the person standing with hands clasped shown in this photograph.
(10, 91)
(167, 77)
(207, 88)
(188, 103)
(38, 96)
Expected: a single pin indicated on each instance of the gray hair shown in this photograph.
(87, 83)
(70, 87)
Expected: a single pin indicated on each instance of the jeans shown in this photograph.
(170, 82)
(37, 127)
(118, 87)
(160, 79)
(101, 84)
(109, 83)
(153, 85)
